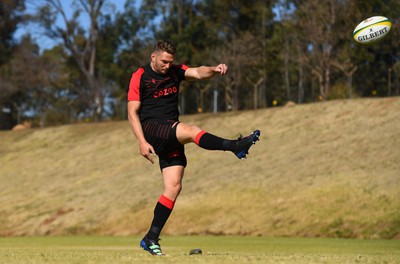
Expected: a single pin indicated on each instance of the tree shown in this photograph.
(242, 83)
(243, 33)
(11, 14)
(326, 28)
(80, 42)
(39, 89)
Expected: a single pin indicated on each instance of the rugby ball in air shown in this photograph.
(372, 30)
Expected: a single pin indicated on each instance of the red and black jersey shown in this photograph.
(157, 93)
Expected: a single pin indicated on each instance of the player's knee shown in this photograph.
(195, 130)
(173, 191)
(187, 133)
(177, 188)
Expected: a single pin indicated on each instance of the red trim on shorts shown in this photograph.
(166, 202)
(198, 136)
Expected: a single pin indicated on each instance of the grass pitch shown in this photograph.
(215, 250)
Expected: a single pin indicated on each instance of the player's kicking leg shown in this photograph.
(240, 147)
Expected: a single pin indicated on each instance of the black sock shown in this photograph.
(211, 142)
(161, 215)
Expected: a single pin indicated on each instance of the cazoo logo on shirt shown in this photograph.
(165, 92)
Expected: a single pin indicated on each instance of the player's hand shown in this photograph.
(146, 150)
(221, 69)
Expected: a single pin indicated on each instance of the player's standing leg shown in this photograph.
(172, 187)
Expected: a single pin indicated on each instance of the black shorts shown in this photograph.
(162, 136)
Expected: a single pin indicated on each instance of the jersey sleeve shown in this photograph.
(182, 68)
(134, 85)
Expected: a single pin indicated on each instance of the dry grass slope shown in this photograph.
(327, 169)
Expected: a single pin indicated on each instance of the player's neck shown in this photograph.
(153, 67)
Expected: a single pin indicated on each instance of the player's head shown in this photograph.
(162, 56)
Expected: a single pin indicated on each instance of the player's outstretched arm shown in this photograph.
(146, 150)
(205, 72)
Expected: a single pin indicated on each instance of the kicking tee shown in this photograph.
(157, 93)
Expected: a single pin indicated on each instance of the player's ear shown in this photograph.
(153, 56)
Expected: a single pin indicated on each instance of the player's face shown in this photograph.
(161, 61)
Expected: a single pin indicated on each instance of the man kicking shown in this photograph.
(154, 118)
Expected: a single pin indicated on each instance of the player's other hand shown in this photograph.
(146, 150)
(221, 69)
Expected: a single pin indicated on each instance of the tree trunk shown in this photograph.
(300, 97)
(287, 80)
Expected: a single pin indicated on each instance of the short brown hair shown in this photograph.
(165, 45)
